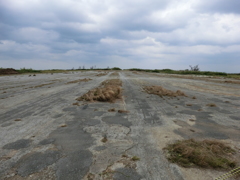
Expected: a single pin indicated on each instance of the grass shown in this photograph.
(112, 110)
(211, 105)
(104, 139)
(160, 91)
(123, 111)
(79, 80)
(109, 91)
(205, 154)
(135, 158)
(183, 72)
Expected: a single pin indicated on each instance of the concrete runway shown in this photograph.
(44, 136)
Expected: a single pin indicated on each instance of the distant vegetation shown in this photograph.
(30, 70)
(183, 72)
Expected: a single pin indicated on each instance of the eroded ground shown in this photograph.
(46, 134)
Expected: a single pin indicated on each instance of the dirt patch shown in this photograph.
(160, 91)
(8, 71)
(109, 91)
(79, 80)
(206, 154)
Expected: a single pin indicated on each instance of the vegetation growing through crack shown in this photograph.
(160, 91)
(206, 154)
(109, 91)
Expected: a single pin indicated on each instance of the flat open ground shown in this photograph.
(44, 136)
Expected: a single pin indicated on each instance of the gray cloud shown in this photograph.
(144, 34)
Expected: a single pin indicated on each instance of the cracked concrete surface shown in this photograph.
(44, 136)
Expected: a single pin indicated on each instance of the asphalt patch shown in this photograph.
(19, 144)
(118, 119)
(47, 141)
(126, 174)
(74, 166)
(35, 162)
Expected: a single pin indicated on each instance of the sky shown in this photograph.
(147, 34)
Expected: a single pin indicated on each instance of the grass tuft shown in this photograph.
(211, 105)
(109, 91)
(160, 91)
(135, 158)
(206, 154)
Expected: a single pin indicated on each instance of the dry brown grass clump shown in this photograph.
(123, 111)
(101, 74)
(109, 91)
(112, 110)
(160, 91)
(79, 80)
(114, 74)
(206, 154)
(211, 105)
(76, 104)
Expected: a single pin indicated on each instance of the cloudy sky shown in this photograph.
(150, 34)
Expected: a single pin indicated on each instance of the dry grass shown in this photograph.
(115, 74)
(63, 125)
(112, 110)
(211, 105)
(101, 74)
(76, 104)
(194, 97)
(104, 139)
(206, 154)
(41, 85)
(109, 91)
(160, 91)
(123, 111)
(79, 80)
(188, 104)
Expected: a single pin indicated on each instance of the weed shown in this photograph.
(76, 104)
(122, 111)
(63, 125)
(104, 139)
(194, 97)
(112, 110)
(211, 105)
(206, 154)
(125, 156)
(160, 91)
(188, 104)
(101, 74)
(135, 158)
